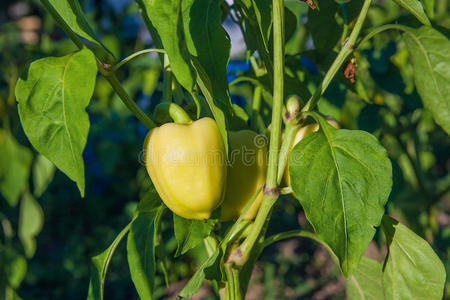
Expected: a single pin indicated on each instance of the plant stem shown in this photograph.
(167, 82)
(244, 78)
(289, 135)
(110, 76)
(347, 48)
(241, 254)
(289, 234)
(111, 251)
(232, 286)
(381, 29)
(286, 190)
(132, 106)
(256, 105)
(132, 56)
(278, 91)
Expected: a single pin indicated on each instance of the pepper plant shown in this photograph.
(342, 178)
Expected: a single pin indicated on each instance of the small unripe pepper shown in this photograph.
(246, 174)
(187, 164)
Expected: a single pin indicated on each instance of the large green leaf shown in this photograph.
(165, 16)
(209, 43)
(141, 252)
(189, 233)
(30, 223)
(342, 178)
(100, 265)
(412, 269)
(415, 7)
(430, 56)
(209, 46)
(262, 10)
(53, 95)
(365, 283)
(16, 157)
(70, 12)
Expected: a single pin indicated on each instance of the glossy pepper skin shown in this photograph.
(246, 174)
(187, 164)
(301, 134)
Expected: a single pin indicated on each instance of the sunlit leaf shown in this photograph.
(430, 56)
(70, 12)
(342, 178)
(209, 46)
(412, 269)
(141, 253)
(52, 109)
(365, 282)
(166, 18)
(415, 7)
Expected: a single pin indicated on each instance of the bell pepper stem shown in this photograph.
(176, 113)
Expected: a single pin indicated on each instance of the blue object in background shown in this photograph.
(312, 69)
(236, 66)
(238, 100)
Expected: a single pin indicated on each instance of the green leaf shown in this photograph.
(365, 283)
(209, 46)
(209, 269)
(429, 7)
(141, 252)
(189, 233)
(30, 223)
(342, 178)
(240, 118)
(43, 172)
(257, 24)
(430, 56)
(262, 10)
(412, 269)
(53, 95)
(13, 156)
(209, 43)
(100, 265)
(150, 201)
(13, 264)
(415, 7)
(70, 13)
(322, 25)
(165, 15)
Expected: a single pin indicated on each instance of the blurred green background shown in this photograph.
(48, 232)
